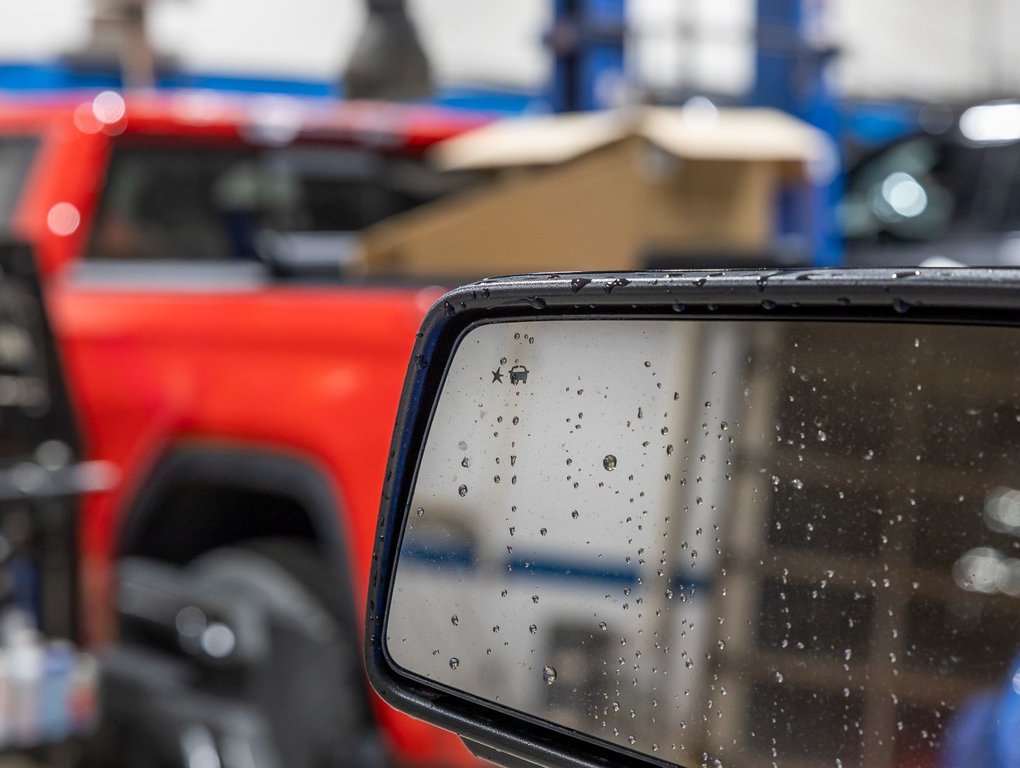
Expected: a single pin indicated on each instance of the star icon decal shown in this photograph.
(497, 375)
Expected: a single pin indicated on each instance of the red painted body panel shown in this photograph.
(315, 371)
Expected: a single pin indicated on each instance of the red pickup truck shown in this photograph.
(193, 249)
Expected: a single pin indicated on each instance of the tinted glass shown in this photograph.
(927, 188)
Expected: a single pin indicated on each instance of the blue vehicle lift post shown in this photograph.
(791, 73)
(587, 42)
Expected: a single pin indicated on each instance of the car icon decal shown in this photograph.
(518, 375)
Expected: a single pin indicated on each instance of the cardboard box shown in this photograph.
(601, 192)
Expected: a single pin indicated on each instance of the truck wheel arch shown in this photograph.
(259, 493)
(268, 499)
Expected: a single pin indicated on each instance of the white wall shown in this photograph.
(303, 38)
(495, 41)
(31, 29)
(693, 45)
(928, 48)
(917, 48)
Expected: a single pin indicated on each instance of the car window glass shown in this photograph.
(16, 154)
(920, 189)
(215, 202)
(1009, 206)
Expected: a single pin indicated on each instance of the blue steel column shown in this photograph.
(587, 44)
(791, 74)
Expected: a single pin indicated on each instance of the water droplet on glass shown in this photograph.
(575, 514)
(578, 283)
(455, 620)
(549, 674)
(533, 629)
(609, 462)
(602, 626)
(544, 531)
(454, 662)
(421, 511)
(462, 490)
(465, 462)
(797, 483)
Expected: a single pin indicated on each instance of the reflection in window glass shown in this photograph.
(799, 521)
(833, 621)
(920, 189)
(759, 543)
(933, 187)
(778, 715)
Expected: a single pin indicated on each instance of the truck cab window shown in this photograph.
(217, 202)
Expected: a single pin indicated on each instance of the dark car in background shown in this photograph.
(947, 193)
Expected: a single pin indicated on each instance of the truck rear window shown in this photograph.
(166, 201)
(16, 155)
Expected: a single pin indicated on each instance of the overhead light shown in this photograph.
(991, 122)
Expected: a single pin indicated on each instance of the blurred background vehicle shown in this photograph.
(239, 215)
(948, 193)
(242, 389)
